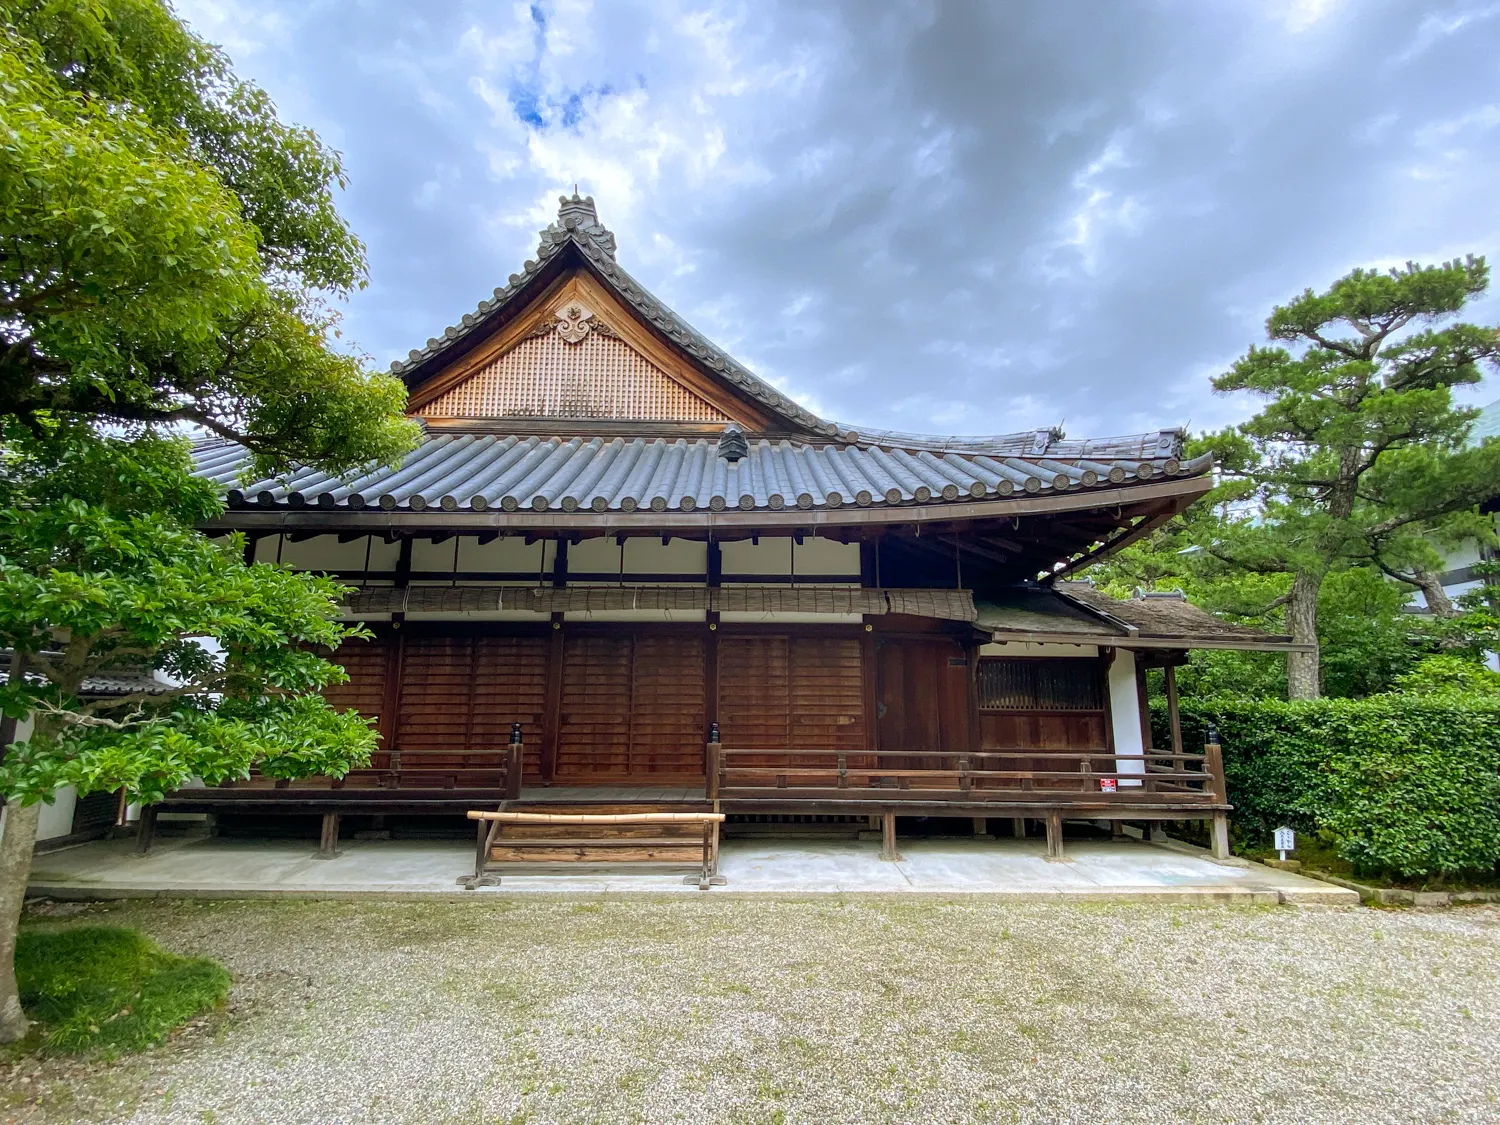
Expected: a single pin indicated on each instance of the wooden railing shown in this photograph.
(1010, 775)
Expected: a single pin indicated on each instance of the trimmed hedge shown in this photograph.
(1406, 785)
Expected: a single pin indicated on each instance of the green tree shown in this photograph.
(168, 246)
(1359, 446)
(101, 569)
(168, 253)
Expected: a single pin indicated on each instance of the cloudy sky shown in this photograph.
(913, 214)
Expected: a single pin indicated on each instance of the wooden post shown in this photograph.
(713, 762)
(1054, 836)
(328, 845)
(888, 837)
(481, 849)
(981, 826)
(1218, 836)
(552, 715)
(1170, 675)
(1117, 830)
(513, 764)
(1213, 762)
(145, 829)
(1018, 827)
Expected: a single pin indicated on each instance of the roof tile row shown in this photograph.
(475, 472)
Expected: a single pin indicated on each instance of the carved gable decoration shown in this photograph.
(573, 364)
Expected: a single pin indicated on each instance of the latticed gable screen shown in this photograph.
(1007, 684)
(600, 377)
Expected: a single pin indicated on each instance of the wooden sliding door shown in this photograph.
(632, 710)
(923, 693)
(780, 693)
(461, 693)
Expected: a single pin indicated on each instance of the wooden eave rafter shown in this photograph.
(1170, 507)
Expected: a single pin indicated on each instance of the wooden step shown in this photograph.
(598, 851)
(613, 808)
(601, 831)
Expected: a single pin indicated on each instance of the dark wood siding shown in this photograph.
(923, 688)
(366, 663)
(510, 686)
(460, 694)
(780, 692)
(632, 708)
(1041, 704)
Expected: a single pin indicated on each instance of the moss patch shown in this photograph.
(109, 989)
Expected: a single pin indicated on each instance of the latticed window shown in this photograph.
(1040, 685)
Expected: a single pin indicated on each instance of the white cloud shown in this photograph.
(1438, 26)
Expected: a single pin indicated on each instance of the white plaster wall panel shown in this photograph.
(772, 555)
(600, 555)
(816, 555)
(676, 556)
(1125, 711)
(508, 553)
(325, 552)
(56, 819)
(1466, 553)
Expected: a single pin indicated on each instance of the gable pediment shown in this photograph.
(577, 353)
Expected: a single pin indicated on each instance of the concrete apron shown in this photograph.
(1018, 869)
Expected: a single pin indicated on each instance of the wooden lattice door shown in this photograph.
(785, 693)
(632, 709)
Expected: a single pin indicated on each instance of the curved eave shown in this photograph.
(1181, 490)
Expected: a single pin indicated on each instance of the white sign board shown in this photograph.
(1286, 841)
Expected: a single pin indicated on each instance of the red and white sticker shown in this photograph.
(1108, 784)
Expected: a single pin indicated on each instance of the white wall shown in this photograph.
(57, 818)
(1125, 713)
(782, 555)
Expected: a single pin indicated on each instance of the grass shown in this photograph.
(109, 989)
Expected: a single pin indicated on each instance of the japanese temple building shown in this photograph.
(676, 586)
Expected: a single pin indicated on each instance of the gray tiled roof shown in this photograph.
(578, 225)
(122, 681)
(1078, 610)
(475, 472)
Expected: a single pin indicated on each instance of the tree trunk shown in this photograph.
(16, 845)
(1303, 671)
(1431, 584)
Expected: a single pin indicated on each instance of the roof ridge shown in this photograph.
(578, 225)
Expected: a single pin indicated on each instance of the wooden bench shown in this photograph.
(657, 839)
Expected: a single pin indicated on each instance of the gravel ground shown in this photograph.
(859, 1010)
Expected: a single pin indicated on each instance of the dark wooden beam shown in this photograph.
(552, 709)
